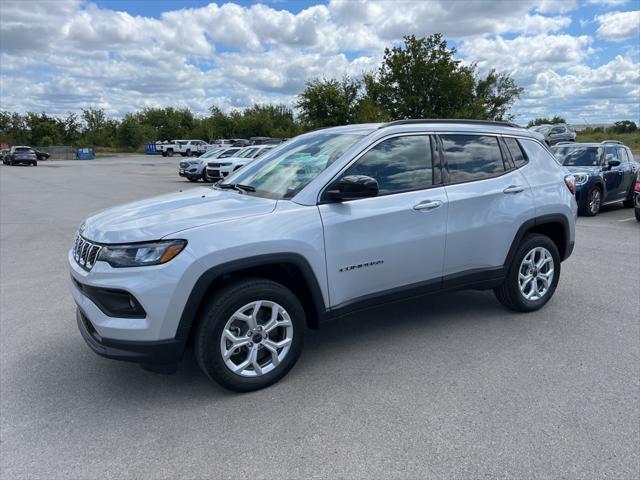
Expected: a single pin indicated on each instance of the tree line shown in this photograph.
(419, 79)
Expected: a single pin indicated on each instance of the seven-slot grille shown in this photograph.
(85, 252)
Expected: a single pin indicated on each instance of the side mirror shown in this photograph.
(611, 161)
(352, 187)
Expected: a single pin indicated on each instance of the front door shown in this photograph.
(614, 176)
(394, 242)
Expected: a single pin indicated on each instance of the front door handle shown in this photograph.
(428, 205)
(513, 189)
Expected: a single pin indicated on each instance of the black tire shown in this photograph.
(509, 293)
(191, 179)
(188, 153)
(220, 309)
(637, 213)
(163, 153)
(170, 153)
(35, 164)
(592, 205)
(628, 203)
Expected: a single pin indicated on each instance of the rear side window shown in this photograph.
(472, 157)
(622, 154)
(516, 151)
(398, 164)
(228, 153)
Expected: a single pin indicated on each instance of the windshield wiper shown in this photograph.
(237, 186)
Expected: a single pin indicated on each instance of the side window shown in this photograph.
(612, 151)
(472, 157)
(398, 164)
(622, 154)
(516, 151)
(556, 130)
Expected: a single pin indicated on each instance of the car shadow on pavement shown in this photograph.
(50, 375)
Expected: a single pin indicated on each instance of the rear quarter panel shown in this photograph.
(546, 178)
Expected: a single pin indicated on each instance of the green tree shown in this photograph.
(546, 121)
(624, 126)
(329, 102)
(422, 79)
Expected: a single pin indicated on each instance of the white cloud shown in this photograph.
(619, 26)
(69, 54)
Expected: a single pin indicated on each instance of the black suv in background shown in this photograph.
(20, 154)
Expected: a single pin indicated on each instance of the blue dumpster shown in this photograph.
(85, 153)
(150, 149)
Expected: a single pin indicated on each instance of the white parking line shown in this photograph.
(627, 219)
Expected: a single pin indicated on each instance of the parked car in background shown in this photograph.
(337, 221)
(186, 148)
(265, 140)
(42, 155)
(636, 197)
(193, 169)
(242, 158)
(20, 155)
(222, 142)
(212, 169)
(240, 142)
(554, 133)
(3, 153)
(604, 173)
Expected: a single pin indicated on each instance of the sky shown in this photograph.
(579, 59)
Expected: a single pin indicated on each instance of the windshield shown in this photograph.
(578, 156)
(246, 152)
(210, 153)
(24, 150)
(285, 171)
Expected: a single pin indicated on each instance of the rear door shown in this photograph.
(489, 198)
(394, 242)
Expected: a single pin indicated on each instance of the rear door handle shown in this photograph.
(428, 205)
(513, 189)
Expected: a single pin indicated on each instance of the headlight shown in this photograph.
(141, 254)
(580, 178)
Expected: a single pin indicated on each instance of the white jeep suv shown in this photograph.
(329, 223)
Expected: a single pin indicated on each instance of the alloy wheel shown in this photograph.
(535, 275)
(256, 338)
(594, 201)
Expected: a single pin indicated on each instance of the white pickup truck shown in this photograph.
(186, 148)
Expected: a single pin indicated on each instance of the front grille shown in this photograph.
(214, 165)
(85, 252)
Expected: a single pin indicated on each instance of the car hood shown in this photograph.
(579, 169)
(156, 217)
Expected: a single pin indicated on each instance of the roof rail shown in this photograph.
(617, 142)
(449, 120)
(563, 143)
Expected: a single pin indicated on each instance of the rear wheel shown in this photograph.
(637, 212)
(250, 334)
(169, 153)
(594, 202)
(533, 275)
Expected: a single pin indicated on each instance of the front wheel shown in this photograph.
(250, 334)
(532, 276)
(594, 202)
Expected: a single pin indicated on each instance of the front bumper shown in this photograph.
(163, 352)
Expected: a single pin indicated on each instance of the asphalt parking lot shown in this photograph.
(452, 387)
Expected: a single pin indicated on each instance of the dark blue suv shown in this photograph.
(604, 173)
